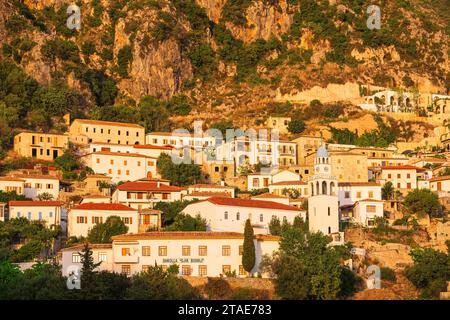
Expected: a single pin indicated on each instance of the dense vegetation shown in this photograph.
(23, 240)
(45, 281)
(307, 268)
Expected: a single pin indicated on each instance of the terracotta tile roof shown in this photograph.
(35, 203)
(148, 186)
(151, 146)
(262, 204)
(103, 206)
(189, 235)
(80, 247)
(268, 195)
(440, 178)
(289, 183)
(120, 154)
(174, 134)
(405, 167)
(100, 196)
(108, 123)
(358, 184)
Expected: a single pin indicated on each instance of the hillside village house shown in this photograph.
(384, 162)
(198, 254)
(402, 177)
(96, 184)
(230, 214)
(290, 188)
(121, 166)
(142, 149)
(360, 202)
(35, 185)
(108, 132)
(50, 212)
(305, 146)
(278, 123)
(43, 146)
(142, 194)
(101, 253)
(84, 217)
(441, 185)
(11, 184)
(348, 166)
(180, 139)
(264, 180)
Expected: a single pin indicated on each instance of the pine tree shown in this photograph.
(248, 255)
(89, 288)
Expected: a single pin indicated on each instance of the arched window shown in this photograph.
(317, 188)
(312, 189)
(324, 187)
(332, 189)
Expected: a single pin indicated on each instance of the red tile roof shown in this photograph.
(103, 206)
(189, 235)
(148, 186)
(262, 204)
(440, 178)
(79, 247)
(209, 186)
(208, 194)
(405, 167)
(11, 179)
(109, 123)
(35, 203)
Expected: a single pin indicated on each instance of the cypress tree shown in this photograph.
(89, 288)
(248, 255)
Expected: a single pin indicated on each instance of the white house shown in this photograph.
(366, 211)
(142, 194)
(198, 254)
(264, 180)
(402, 177)
(441, 185)
(85, 216)
(230, 214)
(288, 187)
(11, 184)
(361, 202)
(71, 257)
(50, 212)
(142, 149)
(35, 185)
(121, 166)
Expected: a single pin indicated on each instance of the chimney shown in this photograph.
(158, 184)
(222, 183)
(67, 119)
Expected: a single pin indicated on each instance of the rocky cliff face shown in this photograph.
(310, 51)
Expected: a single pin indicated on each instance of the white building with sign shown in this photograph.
(199, 254)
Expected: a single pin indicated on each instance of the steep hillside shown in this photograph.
(219, 60)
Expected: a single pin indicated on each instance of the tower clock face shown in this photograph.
(317, 169)
(326, 169)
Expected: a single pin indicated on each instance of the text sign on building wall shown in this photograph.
(183, 260)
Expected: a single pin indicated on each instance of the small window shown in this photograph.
(162, 251)
(76, 258)
(202, 251)
(238, 216)
(226, 251)
(146, 251)
(226, 269)
(241, 250)
(126, 269)
(126, 252)
(102, 256)
(186, 250)
(202, 270)
(186, 270)
(261, 218)
(225, 215)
